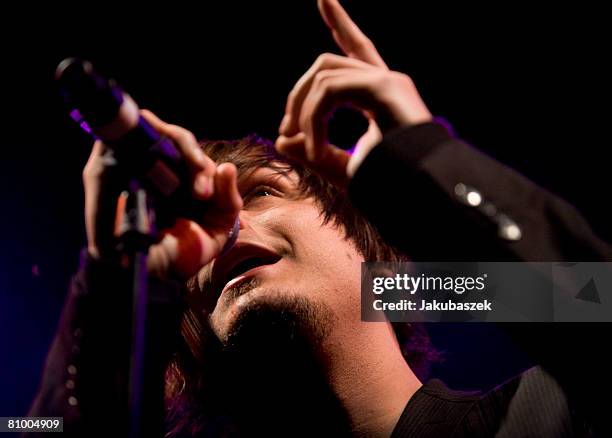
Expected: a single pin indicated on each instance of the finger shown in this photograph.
(182, 249)
(183, 139)
(227, 196)
(364, 145)
(372, 136)
(202, 167)
(326, 61)
(332, 165)
(293, 147)
(93, 168)
(353, 42)
(331, 89)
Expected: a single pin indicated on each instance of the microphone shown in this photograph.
(105, 111)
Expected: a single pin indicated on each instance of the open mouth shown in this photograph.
(249, 264)
(243, 261)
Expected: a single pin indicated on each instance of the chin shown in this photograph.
(264, 319)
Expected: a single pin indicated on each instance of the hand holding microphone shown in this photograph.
(201, 196)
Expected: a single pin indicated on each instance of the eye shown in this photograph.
(260, 192)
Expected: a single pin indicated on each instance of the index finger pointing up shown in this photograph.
(353, 42)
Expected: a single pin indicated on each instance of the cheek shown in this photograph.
(319, 244)
(324, 260)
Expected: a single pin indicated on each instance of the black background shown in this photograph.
(527, 85)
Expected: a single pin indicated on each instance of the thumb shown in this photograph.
(293, 147)
(331, 165)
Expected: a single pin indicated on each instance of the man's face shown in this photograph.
(284, 255)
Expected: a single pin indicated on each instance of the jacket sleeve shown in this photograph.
(85, 376)
(437, 198)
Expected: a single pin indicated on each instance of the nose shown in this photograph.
(250, 223)
(259, 224)
(245, 220)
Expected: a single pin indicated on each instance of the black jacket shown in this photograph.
(413, 187)
(425, 170)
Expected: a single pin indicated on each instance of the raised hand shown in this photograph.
(361, 79)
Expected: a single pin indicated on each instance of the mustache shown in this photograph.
(201, 289)
(238, 290)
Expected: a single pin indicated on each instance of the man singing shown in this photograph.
(272, 342)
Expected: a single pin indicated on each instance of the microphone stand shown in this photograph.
(134, 230)
(155, 171)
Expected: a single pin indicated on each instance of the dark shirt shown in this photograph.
(529, 405)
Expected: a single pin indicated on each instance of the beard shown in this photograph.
(264, 374)
(276, 321)
(273, 368)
